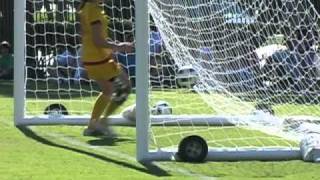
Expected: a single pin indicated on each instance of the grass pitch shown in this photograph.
(61, 152)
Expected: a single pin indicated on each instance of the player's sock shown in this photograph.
(103, 124)
(98, 108)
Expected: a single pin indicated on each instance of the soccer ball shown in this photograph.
(161, 108)
(186, 77)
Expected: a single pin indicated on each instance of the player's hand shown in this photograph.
(125, 47)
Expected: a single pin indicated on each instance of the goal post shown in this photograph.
(142, 80)
(19, 62)
(242, 75)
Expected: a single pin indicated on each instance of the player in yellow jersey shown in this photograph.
(97, 59)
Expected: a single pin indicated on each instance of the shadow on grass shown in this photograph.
(150, 168)
(108, 141)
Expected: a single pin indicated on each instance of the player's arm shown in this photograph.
(101, 42)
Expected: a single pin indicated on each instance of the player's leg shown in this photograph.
(95, 127)
(115, 88)
(98, 109)
(121, 90)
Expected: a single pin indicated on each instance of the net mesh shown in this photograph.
(255, 62)
(55, 74)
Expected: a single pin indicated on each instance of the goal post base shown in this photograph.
(166, 154)
(118, 120)
(232, 154)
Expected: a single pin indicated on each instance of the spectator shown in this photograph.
(64, 66)
(297, 66)
(6, 61)
(161, 64)
(65, 61)
(80, 73)
(128, 61)
(156, 43)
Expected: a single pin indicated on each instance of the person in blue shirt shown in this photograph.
(297, 67)
(128, 60)
(79, 72)
(66, 63)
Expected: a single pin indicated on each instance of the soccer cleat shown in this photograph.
(92, 132)
(100, 132)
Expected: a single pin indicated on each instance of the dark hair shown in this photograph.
(5, 44)
(83, 2)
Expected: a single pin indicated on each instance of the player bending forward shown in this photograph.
(97, 60)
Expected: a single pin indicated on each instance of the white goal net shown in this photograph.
(257, 63)
(239, 73)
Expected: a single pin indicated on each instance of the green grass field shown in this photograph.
(61, 152)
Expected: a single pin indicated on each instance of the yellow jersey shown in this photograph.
(90, 14)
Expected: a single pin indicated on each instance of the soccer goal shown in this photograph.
(220, 79)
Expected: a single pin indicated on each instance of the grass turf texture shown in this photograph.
(60, 152)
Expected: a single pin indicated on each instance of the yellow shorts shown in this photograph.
(102, 70)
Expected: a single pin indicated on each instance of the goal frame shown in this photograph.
(142, 111)
(143, 115)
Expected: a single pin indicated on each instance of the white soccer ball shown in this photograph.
(161, 108)
(186, 77)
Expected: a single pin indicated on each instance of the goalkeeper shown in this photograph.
(97, 60)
